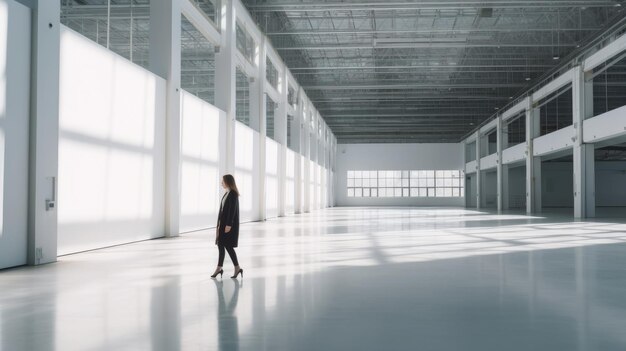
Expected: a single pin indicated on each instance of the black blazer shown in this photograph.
(229, 216)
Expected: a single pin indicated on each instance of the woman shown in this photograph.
(227, 235)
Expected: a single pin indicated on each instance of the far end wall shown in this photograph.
(364, 157)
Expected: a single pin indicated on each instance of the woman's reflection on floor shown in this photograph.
(228, 331)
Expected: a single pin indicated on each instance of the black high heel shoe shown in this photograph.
(236, 274)
(221, 272)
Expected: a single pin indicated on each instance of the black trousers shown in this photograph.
(231, 253)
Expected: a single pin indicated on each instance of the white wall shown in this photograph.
(290, 183)
(111, 148)
(246, 171)
(271, 178)
(395, 157)
(14, 117)
(200, 163)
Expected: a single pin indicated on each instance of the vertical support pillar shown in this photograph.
(464, 153)
(306, 157)
(533, 164)
(258, 117)
(225, 79)
(502, 170)
(165, 54)
(280, 131)
(478, 173)
(44, 127)
(297, 140)
(584, 155)
(333, 174)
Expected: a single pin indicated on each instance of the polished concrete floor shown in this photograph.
(337, 279)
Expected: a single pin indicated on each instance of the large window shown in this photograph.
(292, 98)
(124, 29)
(270, 111)
(245, 43)
(271, 73)
(242, 110)
(425, 183)
(210, 8)
(197, 62)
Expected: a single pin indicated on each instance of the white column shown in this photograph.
(280, 132)
(306, 157)
(44, 132)
(165, 61)
(502, 172)
(533, 164)
(584, 154)
(225, 83)
(478, 173)
(297, 140)
(258, 111)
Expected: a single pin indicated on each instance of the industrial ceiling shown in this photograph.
(389, 71)
(424, 71)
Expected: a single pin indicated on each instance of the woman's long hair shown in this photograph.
(229, 180)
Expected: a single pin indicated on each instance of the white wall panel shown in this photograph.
(318, 186)
(514, 154)
(271, 178)
(611, 124)
(448, 156)
(290, 182)
(246, 158)
(14, 115)
(471, 167)
(303, 185)
(111, 148)
(554, 142)
(200, 172)
(312, 194)
(489, 162)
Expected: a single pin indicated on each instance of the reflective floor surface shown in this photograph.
(337, 279)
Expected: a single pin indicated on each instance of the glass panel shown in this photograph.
(210, 8)
(270, 110)
(127, 32)
(242, 110)
(271, 73)
(245, 43)
(197, 63)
